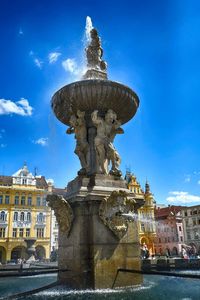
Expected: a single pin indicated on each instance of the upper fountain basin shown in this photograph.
(95, 94)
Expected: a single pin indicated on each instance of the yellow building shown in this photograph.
(146, 217)
(24, 216)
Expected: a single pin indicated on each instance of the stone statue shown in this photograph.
(111, 212)
(94, 52)
(63, 212)
(78, 127)
(105, 150)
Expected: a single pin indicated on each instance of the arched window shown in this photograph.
(28, 216)
(15, 216)
(22, 216)
(3, 216)
(40, 218)
(29, 200)
(17, 199)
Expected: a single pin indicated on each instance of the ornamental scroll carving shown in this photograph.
(111, 212)
(63, 212)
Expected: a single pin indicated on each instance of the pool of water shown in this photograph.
(14, 285)
(153, 288)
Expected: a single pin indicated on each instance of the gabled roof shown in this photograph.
(172, 210)
(41, 182)
(5, 180)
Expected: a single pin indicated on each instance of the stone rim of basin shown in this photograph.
(91, 94)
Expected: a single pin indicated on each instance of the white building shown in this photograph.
(191, 224)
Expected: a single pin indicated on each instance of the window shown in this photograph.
(40, 218)
(179, 228)
(2, 232)
(7, 199)
(21, 232)
(16, 200)
(1, 199)
(40, 232)
(194, 222)
(27, 232)
(23, 181)
(186, 214)
(44, 201)
(38, 201)
(29, 200)
(3, 216)
(159, 240)
(15, 216)
(181, 238)
(23, 200)
(28, 216)
(142, 227)
(14, 234)
(22, 216)
(195, 212)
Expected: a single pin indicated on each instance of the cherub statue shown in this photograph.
(78, 127)
(105, 150)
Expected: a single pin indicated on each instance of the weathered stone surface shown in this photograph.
(94, 94)
(111, 211)
(92, 252)
(63, 212)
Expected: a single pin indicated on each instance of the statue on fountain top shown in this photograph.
(94, 52)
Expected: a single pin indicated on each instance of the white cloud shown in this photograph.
(21, 32)
(38, 63)
(198, 181)
(53, 57)
(51, 181)
(41, 141)
(3, 145)
(70, 65)
(179, 197)
(187, 178)
(196, 173)
(20, 107)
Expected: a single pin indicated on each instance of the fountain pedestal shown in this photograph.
(97, 243)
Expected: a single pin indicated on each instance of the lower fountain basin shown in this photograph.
(95, 94)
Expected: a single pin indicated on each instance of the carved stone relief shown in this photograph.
(63, 212)
(111, 212)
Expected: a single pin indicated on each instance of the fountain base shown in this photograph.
(93, 250)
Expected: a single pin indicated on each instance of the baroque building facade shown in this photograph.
(24, 215)
(146, 218)
(191, 225)
(169, 231)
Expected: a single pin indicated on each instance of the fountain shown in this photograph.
(95, 235)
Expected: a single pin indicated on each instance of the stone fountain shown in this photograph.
(95, 237)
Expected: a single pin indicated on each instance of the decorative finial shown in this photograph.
(147, 188)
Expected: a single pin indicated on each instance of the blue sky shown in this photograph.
(152, 46)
